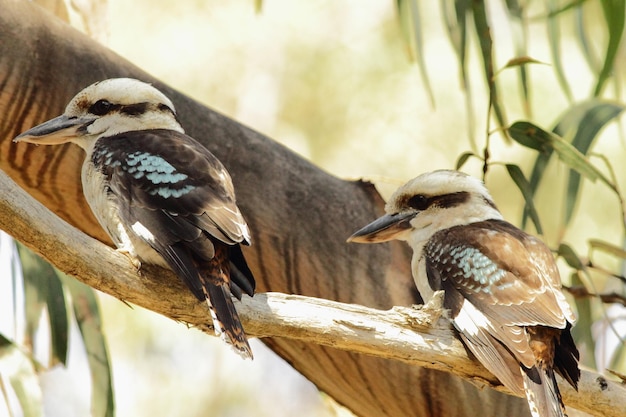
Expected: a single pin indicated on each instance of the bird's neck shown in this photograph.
(425, 227)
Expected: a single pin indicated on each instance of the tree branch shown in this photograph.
(419, 336)
(299, 218)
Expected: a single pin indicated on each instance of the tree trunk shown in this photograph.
(299, 216)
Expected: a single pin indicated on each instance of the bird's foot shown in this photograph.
(131, 257)
(434, 306)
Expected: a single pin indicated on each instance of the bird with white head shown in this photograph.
(162, 197)
(501, 285)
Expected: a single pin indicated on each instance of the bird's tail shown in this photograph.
(542, 392)
(225, 318)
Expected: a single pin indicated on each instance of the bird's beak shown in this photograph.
(383, 229)
(59, 130)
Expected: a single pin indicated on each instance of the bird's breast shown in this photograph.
(103, 207)
(106, 210)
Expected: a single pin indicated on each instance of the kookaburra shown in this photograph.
(162, 197)
(501, 285)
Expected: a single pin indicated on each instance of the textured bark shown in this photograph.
(417, 336)
(299, 215)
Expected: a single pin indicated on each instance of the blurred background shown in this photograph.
(339, 83)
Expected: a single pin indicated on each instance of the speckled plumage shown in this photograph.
(501, 285)
(162, 197)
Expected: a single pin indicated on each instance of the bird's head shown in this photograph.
(106, 108)
(431, 202)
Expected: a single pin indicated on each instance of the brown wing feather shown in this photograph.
(177, 190)
(503, 289)
(522, 274)
(215, 277)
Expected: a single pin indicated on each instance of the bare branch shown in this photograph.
(580, 291)
(419, 336)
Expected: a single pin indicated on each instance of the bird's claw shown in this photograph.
(133, 259)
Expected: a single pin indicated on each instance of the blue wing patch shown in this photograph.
(151, 167)
(479, 272)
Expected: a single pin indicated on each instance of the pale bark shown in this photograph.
(299, 216)
(416, 335)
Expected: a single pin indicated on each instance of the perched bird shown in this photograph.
(162, 197)
(501, 285)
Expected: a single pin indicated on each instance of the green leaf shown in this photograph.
(606, 247)
(528, 133)
(463, 159)
(530, 136)
(515, 9)
(584, 121)
(555, 9)
(21, 374)
(555, 48)
(520, 180)
(519, 31)
(570, 256)
(43, 288)
(582, 331)
(481, 22)
(59, 323)
(521, 61)
(529, 140)
(539, 168)
(87, 315)
(410, 21)
(454, 13)
(455, 18)
(35, 287)
(583, 40)
(258, 6)
(614, 15)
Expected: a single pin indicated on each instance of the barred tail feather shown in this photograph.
(226, 320)
(542, 392)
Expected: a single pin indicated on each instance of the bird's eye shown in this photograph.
(100, 107)
(418, 202)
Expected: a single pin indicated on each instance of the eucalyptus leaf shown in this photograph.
(59, 323)
(582, 331)
(530, 136)
(483, 30)
(522, 183)
(571, 257)
(519, 31)
(463, 159)
(597, 115)
(526, 132)
(22, 376)
(607, 248)
(87, 313)
(541, 163)
(582, 123)
(555, 11)
(455, 14)
(411, 24)
(42, 288)
(583, 40)
(614, 16)
(35, 273)
(521, 61)
(258, 6)
(554, 38)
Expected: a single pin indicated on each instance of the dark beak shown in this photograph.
(59, 130)
(384, 228)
